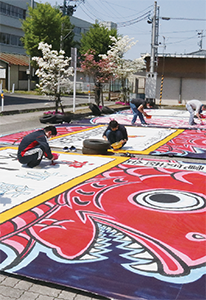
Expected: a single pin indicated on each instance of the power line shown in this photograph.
(130, 16)
(91, 11)
(180, 31)
(133, 21)
(86, 13)
(128, 8)
(115, 13)
(177, 42)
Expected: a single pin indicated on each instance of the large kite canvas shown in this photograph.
(124, 228)
(156, 141)
(159, 118)
(117, 226)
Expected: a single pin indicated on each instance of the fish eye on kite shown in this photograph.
(170, 200)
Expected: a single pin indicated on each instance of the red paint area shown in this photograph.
(188, 140)
(162, 209)
(15, 138)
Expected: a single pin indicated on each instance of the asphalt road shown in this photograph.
(20, 122)
(27, 99)
(16, 100)
(14, 118)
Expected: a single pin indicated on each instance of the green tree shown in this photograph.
(45, 23)
(98, 38)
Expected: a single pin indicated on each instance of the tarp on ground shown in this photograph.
(160, 118)
(149, 141)
(15, 138)
(124, 228)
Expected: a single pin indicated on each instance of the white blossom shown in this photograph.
(53, 71)
(124, 68)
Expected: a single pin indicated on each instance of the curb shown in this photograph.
(76, 114)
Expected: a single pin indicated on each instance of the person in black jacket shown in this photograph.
(115, 132)
(34, 146)
(137, 105)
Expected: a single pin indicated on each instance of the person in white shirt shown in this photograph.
(195, 108)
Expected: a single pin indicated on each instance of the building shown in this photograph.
(180, 77)
(12, 12)
(80, 27)
(109, 25)
(14, 63)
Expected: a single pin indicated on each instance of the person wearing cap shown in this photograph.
(137, 106)
(35, 145)
(195, 108)
(115, 132)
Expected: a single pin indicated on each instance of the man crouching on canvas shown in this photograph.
(34, 146)
(115, 133)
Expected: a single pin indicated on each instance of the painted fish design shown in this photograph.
(157, 214)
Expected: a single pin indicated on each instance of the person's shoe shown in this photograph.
(144, 124)
(193, 123)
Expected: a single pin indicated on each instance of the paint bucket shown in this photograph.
(116, 145)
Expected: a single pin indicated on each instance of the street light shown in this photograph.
(165, 18)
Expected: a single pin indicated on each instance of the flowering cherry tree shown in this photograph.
(101, 71)
(124, 68)
(54, 72)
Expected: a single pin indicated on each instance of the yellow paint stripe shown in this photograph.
(9, 147)
(154, 146)
(59, 189)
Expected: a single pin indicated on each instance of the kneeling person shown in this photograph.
(34, 145)
(116, 132)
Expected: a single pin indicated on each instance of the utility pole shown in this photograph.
(64, 8)
(154, 38)
(200, 35)
(68, 9)
(151, 76)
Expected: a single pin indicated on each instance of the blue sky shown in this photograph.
(181, 33)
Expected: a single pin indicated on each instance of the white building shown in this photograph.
(109, 25)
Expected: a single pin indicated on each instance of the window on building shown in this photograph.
(13, 40)
(19, 42)
(8, 9)
(10, 39)
(3, 8)
(11, 10)
(85, 31)
(77, 30)
(4, 38)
